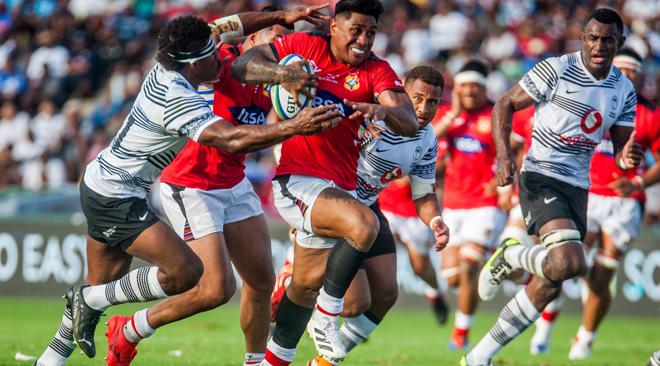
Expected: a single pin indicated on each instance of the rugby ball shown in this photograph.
(282, 100)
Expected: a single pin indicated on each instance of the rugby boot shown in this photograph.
(281, 283)
(495, 271)
(84, 320)
(120, 351)
(324, 331)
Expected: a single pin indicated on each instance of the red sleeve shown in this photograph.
(655, 142)
(289, 44)
(384, 78)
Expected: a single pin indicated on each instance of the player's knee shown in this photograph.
(364, 230)
(451, 274)
(387, 299)
(307, 288)
(212, 296)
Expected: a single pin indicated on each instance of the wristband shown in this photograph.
(433, 220)
(640, 183)
(622, 165)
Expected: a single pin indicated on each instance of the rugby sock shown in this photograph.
(139, 285)
(277, 355)
(138, 327)
(290, 322)
(462, 324)
(62, 346)
(528, 258)
(584, 336)
(355, 330)
(431, 293)
(545, 324)
(516, 316)
(329, 305)
(344, 262)
(253, 359)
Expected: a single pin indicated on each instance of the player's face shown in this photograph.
(601, 43)
(426, 99)
(352, 38)
(208, 68)
(471, 95)
(634, 76)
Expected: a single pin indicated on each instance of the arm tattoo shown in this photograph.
(257, 66)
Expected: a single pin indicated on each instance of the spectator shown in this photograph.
(447, 28)
(47, 126)
(13, 125)
(48, 60)
(12, 82)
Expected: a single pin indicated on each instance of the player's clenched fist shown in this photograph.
(441, 234)
(296, 80)
(632, 152)
(310, 121)
(506, 171)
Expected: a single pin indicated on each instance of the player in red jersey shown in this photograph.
(316, 179)
(470, 200)
(397, 204)
(614, 214)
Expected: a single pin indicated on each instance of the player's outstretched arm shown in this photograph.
(396, 109)
(259, 65)
(627, 152)
(241, 24)
(428, 210)
(514, 100)
(244, 139)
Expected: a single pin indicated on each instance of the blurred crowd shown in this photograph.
(70, 70)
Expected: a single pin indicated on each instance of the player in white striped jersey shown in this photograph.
(578, 97)
(167, 113)
(385, 157)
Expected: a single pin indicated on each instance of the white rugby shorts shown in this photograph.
(620, 218)
(652, 199)
(516, 214)
(412, 231)
(195, 213)
(295, 196)
(481, 225)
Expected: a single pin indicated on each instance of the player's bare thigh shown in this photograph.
(337, 214)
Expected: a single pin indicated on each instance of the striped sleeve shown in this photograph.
(424, 171)
(540, 81)
(627, 116)
(186, 112)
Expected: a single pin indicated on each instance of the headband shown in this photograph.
(190, 57)
(627, 62)
(470, 77)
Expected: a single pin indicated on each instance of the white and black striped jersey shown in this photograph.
(167, 112)
(574, 112)
(392, 157)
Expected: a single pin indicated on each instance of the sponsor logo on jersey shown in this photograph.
(352, 82)
(315, 67)
(390, 175)
(578, 141)
(591, 121)
(252, 115)
(468, 144)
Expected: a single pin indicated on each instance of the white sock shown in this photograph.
(276, 354)
(463, 321)
(253, 359)
(528, 258)
(139, 285)
(355, 330)
(516, 316)
(431, 293)
(584, 336)
(328, 304)
(138, 327)
(61, 347)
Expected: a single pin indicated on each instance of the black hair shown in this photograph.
(183, 34)
(476, 65)
(606, 16)
(272, 9)
(427, 74)
(373, 8)
(631, 53)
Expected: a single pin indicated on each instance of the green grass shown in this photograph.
(406, 337)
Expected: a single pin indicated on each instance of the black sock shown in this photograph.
(343, 264)
(374, 319)
(291, 321)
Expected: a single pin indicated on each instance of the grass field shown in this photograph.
(406, 337)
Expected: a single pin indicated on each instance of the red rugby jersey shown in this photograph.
(472, 159)
(333, 154)
(397, 199)
(207, 168)
(603, 171)
(521, 127)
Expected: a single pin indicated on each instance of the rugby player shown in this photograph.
(397, 204)
(384, 159)
(614, 214)
(167, 113)
(315, 183)
(470, 199)
(578, 97)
